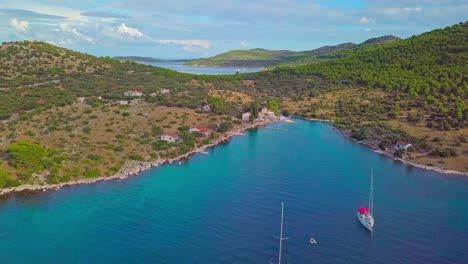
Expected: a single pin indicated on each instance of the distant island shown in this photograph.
(267, 58)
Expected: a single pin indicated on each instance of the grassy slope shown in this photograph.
(115, 133)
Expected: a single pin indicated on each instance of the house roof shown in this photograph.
(172, 135)
(202, 129)
(403, 143)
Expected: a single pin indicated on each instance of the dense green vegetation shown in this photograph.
(430, 68)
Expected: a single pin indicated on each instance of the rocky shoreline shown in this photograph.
(407, 162)
(133, 168)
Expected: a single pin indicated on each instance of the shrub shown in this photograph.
(360, 134)
(27, 155)
(6, 181)
(87, 130)
(225, 127)
(136, 157)
(160, 145)
(91, 173)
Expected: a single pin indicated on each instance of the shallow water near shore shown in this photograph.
(225, 208)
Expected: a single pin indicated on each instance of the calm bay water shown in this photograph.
(180, 67)
(225, 208)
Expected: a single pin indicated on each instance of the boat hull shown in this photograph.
(366, 220)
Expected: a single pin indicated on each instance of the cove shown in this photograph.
(225, 208)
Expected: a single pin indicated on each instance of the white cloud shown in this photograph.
(368, 29)
(19, 25)
(366, 21)
(244, 44)
(108, 20)
(129, 31)
(412, 9)
(63, 27)
(187, 44)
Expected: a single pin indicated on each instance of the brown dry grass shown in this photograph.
(446, 139)
(109, 128)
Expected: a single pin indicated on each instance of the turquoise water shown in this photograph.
(225, 208)
(180, 67)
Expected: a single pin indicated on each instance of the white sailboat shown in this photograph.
(366, 215)
(281, 238)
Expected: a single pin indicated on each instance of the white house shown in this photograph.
(403, 145)
(264, 110)
(122, 102)
(134, 93)
(171, 138)
(164, 91)
(246, 116)
(270, 114)
(205, 131)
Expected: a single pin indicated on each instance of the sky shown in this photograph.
(202, 28)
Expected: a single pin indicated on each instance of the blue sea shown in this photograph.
(180, 67)
(225, 208)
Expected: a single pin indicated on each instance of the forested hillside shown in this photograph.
(431, 68)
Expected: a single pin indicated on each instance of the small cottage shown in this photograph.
(246, 116)
(271, 114)
(403, 145)
(205, 131)
(170, 138)
(133, 93)
(264, 110)
(164, 91)
(122, 102)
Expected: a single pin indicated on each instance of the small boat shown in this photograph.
(312, 241)
(365, 215)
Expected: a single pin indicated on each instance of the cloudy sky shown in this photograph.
(200, 28)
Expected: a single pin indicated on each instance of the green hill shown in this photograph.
(430, 69)
(249, 58)
(39, 75)
(267, 58)
(429, 64)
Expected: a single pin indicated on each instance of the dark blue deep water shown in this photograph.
(225, 208)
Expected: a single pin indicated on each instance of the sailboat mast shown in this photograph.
(371, 194)
(281, 234)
